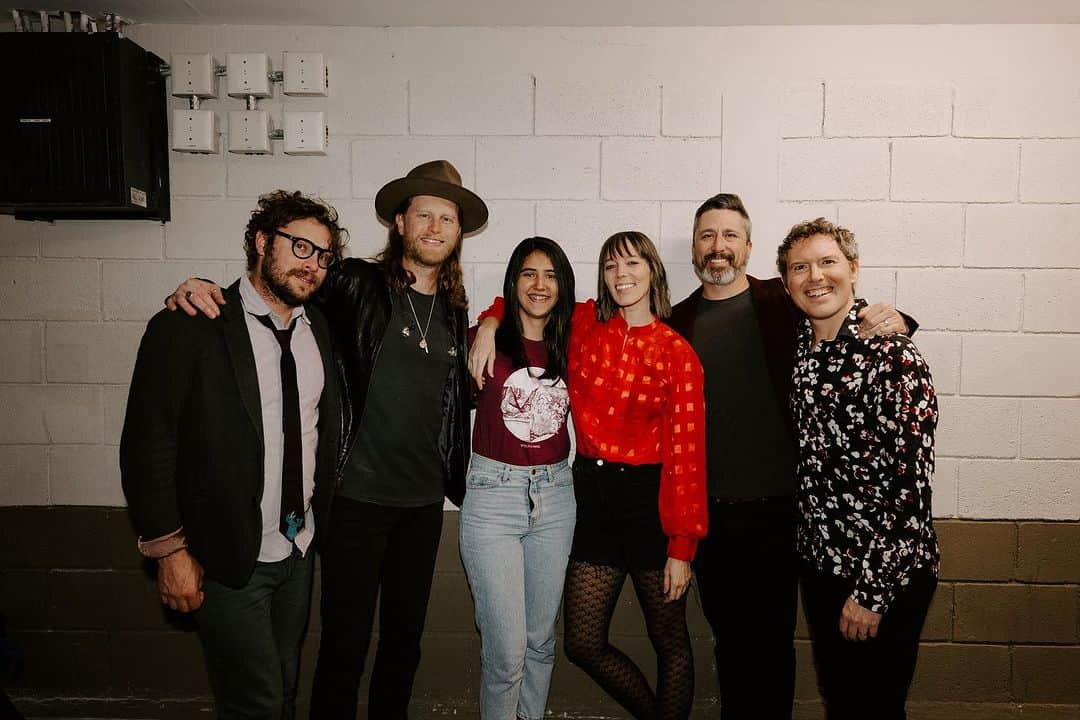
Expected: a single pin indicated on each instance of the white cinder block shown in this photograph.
(771, 224)
(887, 109)
(1019, 489)
(453, 104)
(18, 238)
(681, 280)
(978, 427)
(1029, 365)
(1022, 236)
(691, 107)
(50, 290)
(905, 234)
(877, 285)
(364, 105)
(1051, 298)
(834, 169)
(103, 239)
(196, 175)
(540, 168)
(367, 234)
(377, 161)
(324, 176)
(1050, 171)
(572, 106)
(1046, 108)
(941, 350)
(204, 229)
(486, 285)
(1049, 428)
(44, 414)
(950, 170)
(801, 110)
(509, 222)
(21, 359)
(660, 169)
(114, 398)
(91, 352)
(85, 475)
(24, 475)
(962, 299)
(582, 227)
(676, 230)
(943, 487)
(134, 291)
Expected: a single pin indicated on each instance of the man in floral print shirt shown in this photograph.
(865, 414)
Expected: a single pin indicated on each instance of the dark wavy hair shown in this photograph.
(450, 280)
(509, 338)
(626, 243)
(279, 208)
(724, 201)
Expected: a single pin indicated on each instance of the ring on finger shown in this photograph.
(187, 294)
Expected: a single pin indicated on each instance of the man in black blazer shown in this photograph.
(230, 424)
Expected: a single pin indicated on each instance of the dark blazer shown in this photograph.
(191, 453)
(777, 319)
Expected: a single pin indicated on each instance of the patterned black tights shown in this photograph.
(591, 594)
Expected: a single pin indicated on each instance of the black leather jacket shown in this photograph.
(356, 300)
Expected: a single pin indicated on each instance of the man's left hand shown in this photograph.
(881, 319)
(858, 623)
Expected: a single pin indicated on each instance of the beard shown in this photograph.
(725, 276)
(276, 281)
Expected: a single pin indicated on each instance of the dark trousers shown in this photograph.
(251, 638)
(747, 576)
(371, 547)
(867, 679)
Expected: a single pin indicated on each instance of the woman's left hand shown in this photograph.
(676, 579)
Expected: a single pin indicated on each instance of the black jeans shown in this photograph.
(251, 638)
(747, 575)
(371, 547)
(867, 679)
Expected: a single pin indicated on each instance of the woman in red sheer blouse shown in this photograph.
(637, 401)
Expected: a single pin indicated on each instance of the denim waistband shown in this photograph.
(506, 471)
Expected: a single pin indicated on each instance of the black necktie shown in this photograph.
(292, 477)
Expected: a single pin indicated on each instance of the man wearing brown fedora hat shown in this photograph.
(398, 324)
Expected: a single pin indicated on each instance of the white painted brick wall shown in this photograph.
(1029, 365)
(660, 169)
(1047, 108)
(975, 231)
(1051, 171)
(1019, 489)
(951, 170)
(1049, 428)
(584, 106)
(445, 104)
(1022, 236)
(834, 170)
(906, 235)
(548, 168)
(854, 109)
(961, 299)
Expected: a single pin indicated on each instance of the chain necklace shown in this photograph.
(423, 331)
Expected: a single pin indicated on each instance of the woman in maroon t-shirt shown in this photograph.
(517, 520)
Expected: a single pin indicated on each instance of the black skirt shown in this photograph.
(618, 515)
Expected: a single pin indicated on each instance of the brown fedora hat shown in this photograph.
(438, 178)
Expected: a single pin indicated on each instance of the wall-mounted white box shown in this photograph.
(305, 74)
(194, 131)
(249, 132)
(305, 133)
(248, 74)
(193, 75)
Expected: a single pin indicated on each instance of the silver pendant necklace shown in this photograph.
(423, 331)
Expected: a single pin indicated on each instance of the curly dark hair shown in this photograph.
(279, 208)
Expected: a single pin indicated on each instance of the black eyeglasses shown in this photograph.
(304, 248)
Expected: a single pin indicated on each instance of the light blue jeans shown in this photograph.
(516, 528)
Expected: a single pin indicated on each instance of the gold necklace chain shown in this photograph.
(431, 311)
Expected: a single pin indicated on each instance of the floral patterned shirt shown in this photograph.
(865, 413)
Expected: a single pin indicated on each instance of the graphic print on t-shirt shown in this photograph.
(533, 409)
